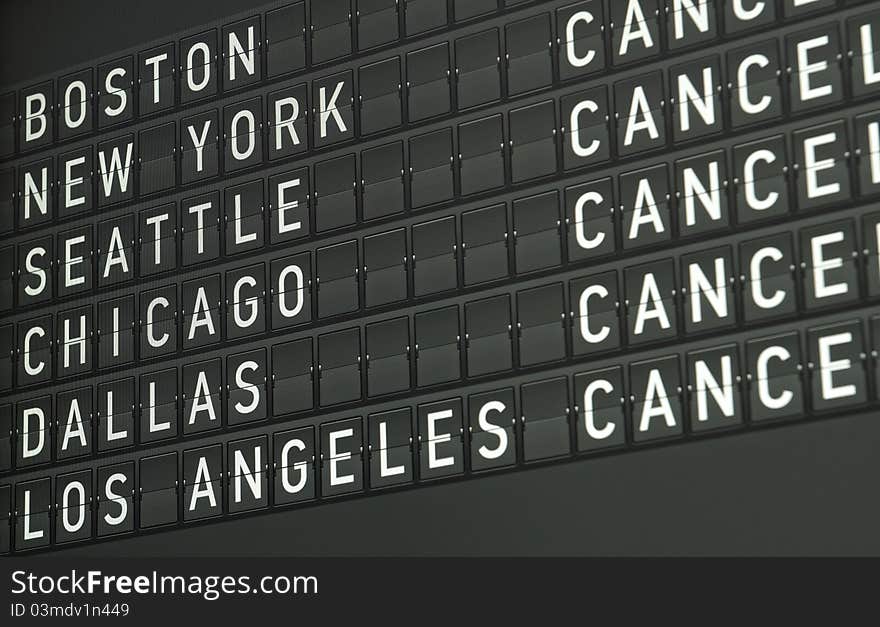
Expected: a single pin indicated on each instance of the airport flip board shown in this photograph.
(328, 249)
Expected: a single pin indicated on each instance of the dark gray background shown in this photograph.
(802, 489)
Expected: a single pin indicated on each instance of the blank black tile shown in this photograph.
(532, 141)
(158, 165)
(481, 154)
(427, 81)
(286, 40)
(484, 244)
(385, 275)
(158, 490)
(339, 372)
(424, 15)
(381, 105)
(388, 350)
(331, 30)
(437, 346)
(545, 416)
(529, 61)
(466, 9)
(541, 324)
(337, 273)
(488, 336)
(335, 193)
(478, 69)
(430, 165)
(7, 124)
(377, 23)
(537, 232)
(382, 177)
(434, 258)
(7, 431)
(292, 377)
